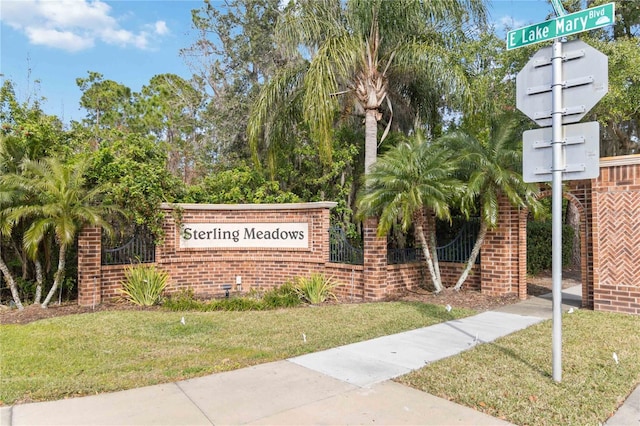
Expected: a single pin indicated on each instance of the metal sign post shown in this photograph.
(556, 207)
(581, 92)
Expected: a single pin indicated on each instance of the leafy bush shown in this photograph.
(315, 289)
(284, 296)
(183, 301)
(281, 297)
(144, 284)
(539, 248)
(235, 304)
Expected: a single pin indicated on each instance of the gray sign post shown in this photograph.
(573, 94)
(556, 207)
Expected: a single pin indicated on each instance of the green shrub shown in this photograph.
(315, 289)
(284, 296)
(235, 304)
(539, 248)
(183, 301)
(144, 284)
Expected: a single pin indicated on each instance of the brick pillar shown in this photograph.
(375, 261)
(499, 264)
(522, 254)
(89, 249)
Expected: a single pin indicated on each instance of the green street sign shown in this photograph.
(585, 20)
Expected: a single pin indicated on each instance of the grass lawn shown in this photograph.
(114, 350)
(511, 378)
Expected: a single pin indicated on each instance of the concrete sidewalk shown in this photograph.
(345, 385)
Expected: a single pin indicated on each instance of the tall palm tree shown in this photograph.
(412, 178)
(491, 168)
(365, 54)
(61, 205)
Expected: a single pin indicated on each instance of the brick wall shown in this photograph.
(451, 271)
(577, 193)
(89, 268)
(206, 270)
(610, 246)
(375, 261)
(616, 235)
(500, 269)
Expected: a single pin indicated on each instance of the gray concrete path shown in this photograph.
(384, 358)
(345, 385)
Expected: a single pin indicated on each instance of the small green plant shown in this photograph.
(144, 284)
(183, 300)
(235, 304)
(284, 296)
(315, 289)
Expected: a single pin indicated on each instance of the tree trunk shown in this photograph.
(434, 246)
(427, 255)
(39, 281)
(370, 138)
(11, 283)
(474, 255)
(58, 276)
(573, 220)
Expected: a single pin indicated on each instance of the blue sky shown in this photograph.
(46, 44)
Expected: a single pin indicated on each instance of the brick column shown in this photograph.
(375, 261)
(89, 250)
(499, 265)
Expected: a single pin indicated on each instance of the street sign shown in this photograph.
(563, 93)
(573, 23)
(581, 144)
(585, 80)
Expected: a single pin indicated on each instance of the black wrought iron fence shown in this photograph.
(140, 248)
(403, 255)
(341, 250)
(454, 249)
(459, 249)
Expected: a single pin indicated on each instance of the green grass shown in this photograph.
(511, 378)
(115, 350)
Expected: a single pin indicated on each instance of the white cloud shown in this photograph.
(509, 22)
(73, 25)
(58, 39)
(161, 28)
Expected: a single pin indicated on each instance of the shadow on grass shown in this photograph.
(437, 312)
(514, 355)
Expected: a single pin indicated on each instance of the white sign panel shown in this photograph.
(244, 235)
(585, 73)
(581, 148)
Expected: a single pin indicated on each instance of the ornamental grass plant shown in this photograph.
(315, 289)
(144, 284)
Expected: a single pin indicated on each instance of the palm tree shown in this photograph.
(410, 179)
(491, 168)
(61, 205)
(6, 197)
(11, 153)
(369, 54)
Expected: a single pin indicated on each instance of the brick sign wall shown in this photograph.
(616, 235)
(294, 241)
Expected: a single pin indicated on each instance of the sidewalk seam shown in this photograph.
(211, 422)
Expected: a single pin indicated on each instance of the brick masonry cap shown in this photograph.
(283, 206)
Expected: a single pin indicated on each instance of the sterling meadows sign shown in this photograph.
(244, 235)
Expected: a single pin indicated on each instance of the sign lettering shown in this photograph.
(584, 20)
(244, 235)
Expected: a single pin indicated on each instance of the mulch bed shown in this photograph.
(469, 299)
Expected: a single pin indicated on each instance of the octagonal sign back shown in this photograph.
(585, 81)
